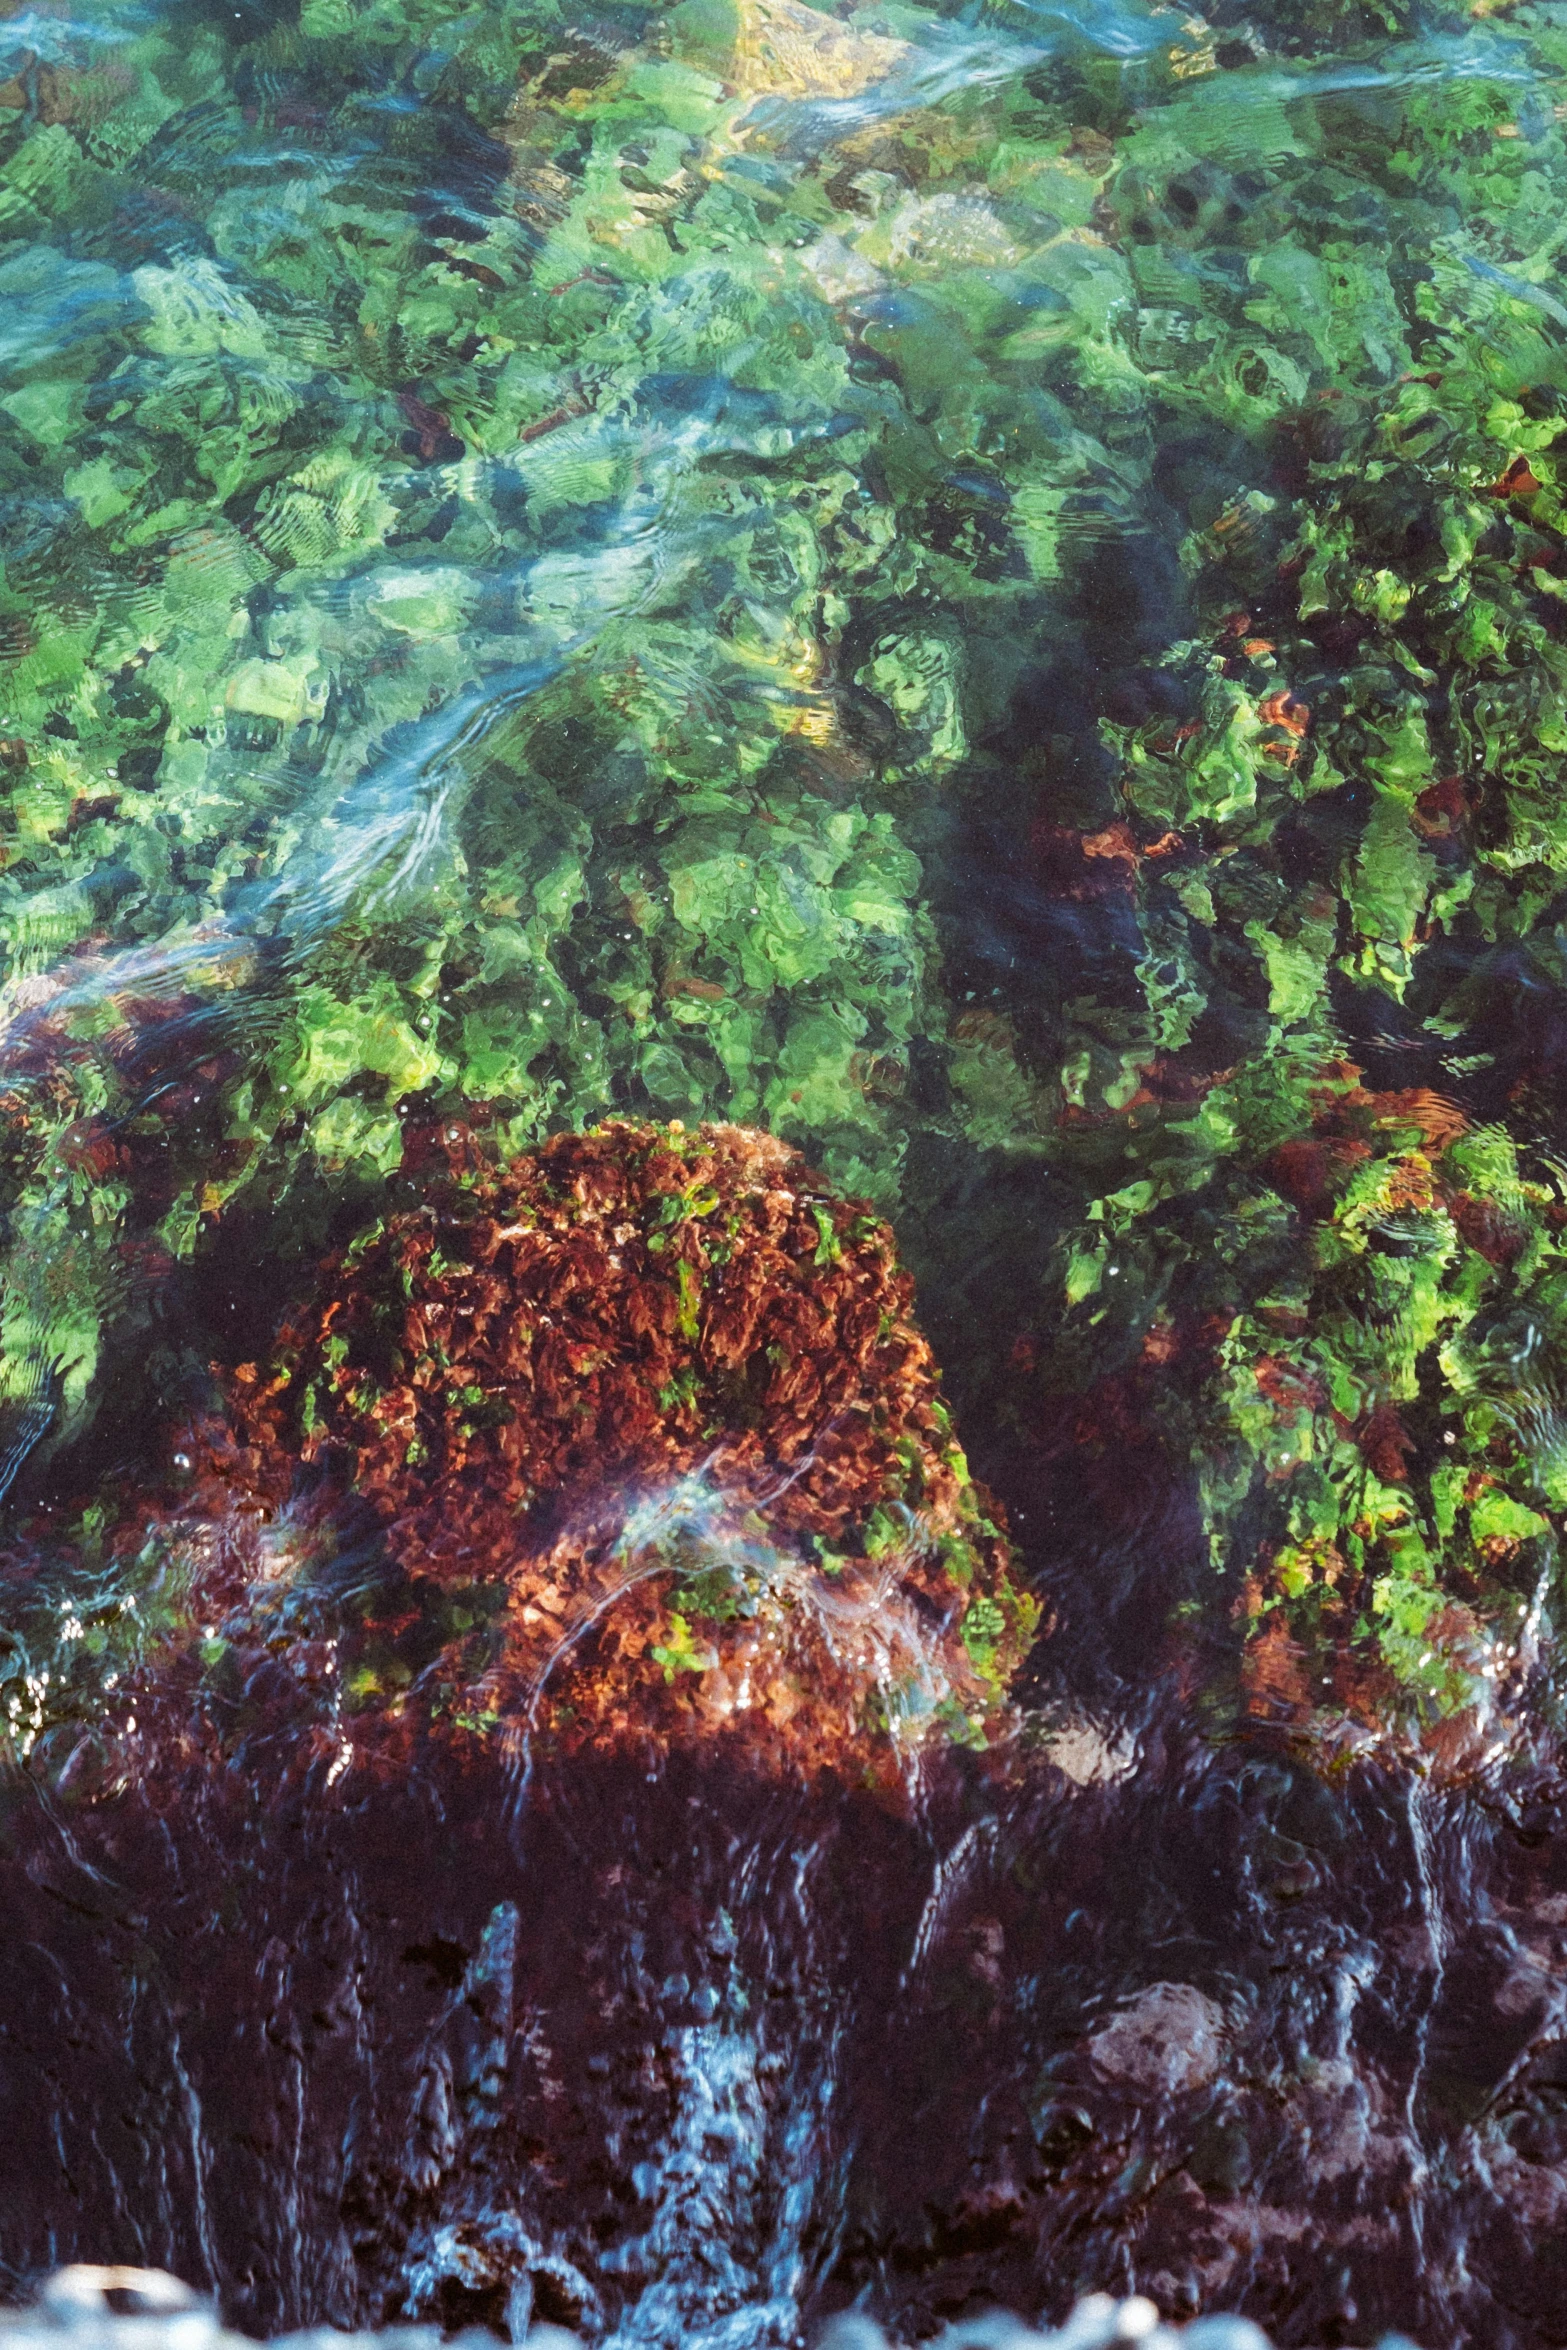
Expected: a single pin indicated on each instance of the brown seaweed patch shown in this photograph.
(647, 1441)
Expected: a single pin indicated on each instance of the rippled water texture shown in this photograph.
(976, 588)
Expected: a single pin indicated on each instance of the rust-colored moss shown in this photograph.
(651, 1409)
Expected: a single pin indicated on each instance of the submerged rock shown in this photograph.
(635, 1434)
(1169, 2038)
(780, 49)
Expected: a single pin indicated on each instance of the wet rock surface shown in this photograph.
(667, 2052)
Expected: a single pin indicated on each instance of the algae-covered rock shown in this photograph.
(777, 48)
(651, 1439)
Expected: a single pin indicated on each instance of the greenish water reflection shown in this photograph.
(982, 588)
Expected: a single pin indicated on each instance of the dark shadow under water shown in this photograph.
(690, 2057)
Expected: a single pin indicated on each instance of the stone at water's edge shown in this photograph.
(92, 2308)
(634, 1434)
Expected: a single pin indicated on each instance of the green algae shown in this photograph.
(525, 541)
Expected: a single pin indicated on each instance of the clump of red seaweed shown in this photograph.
(650, 1442)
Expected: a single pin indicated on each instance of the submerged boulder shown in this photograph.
(634, 1433)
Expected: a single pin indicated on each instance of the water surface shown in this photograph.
(979, 587)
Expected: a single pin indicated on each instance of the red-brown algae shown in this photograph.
(644, 1441)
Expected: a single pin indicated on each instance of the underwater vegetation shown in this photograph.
(983, 597)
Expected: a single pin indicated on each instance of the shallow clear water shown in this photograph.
(981, 588)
